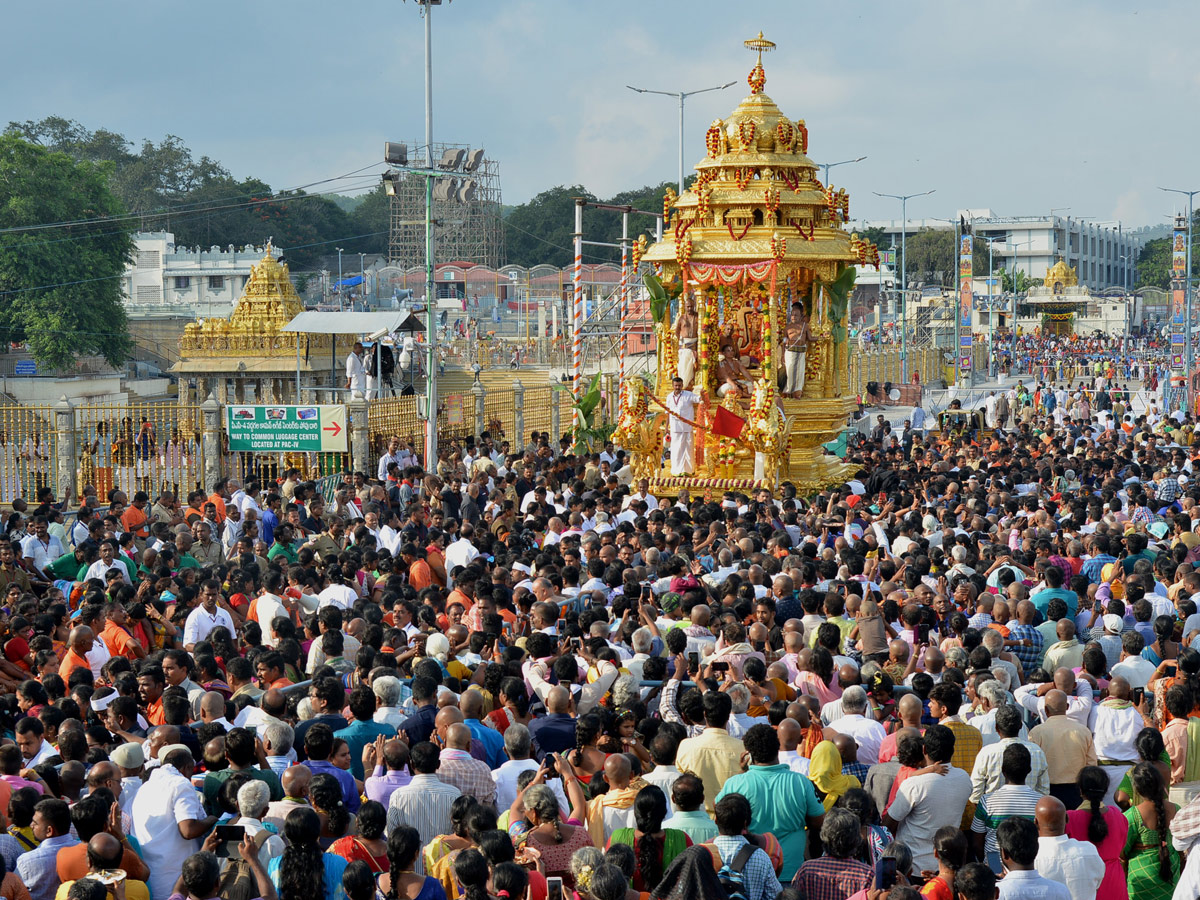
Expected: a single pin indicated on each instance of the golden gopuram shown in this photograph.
(247, 358)
(755, 259)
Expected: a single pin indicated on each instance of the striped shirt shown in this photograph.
(994, 808)
(424, 803)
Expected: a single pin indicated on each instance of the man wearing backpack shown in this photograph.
(746, 871)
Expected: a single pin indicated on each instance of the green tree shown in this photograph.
(371, 218)
(1022, 283)
(930, 257)
(1154, 264)
(60, 290)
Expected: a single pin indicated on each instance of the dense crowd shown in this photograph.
(969, 669)
(1048, 357)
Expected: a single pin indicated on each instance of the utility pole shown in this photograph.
(904, 198)
(844, 162)
(341, 287)
(431, 392)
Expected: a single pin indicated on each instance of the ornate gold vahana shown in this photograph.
(268, 302)
(756, 202)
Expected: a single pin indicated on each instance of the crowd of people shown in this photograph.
(966, 670)
(1142, 359)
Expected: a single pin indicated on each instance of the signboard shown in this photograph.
(454, 410)
(1179, 253)
(1179, 322)
(286, 429)
(25, 367)
(887, 257)
(965, 269)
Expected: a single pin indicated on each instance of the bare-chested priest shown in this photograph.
(733, 378)
(686, 332)
(795, 351)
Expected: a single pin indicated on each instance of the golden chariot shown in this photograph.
(756, 232)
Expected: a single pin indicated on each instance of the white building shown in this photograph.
(165, 280)
(1103, 255)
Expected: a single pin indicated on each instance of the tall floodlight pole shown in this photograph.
(1125, 257)
(844, 162)
(904, 198)
(1187, 296)
(681, 96)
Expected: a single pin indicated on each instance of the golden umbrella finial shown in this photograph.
(758, 78)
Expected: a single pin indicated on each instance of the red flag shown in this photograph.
(727, 424)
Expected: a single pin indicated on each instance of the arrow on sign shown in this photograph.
(335, 428)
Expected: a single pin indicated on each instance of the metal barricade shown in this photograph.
(28, 451)
(151, 447)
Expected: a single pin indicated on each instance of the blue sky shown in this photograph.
(1017, 106)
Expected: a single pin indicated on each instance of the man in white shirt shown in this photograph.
(41, 547)
(168, 819)
(867, 732)
(391, 456)
(682, 406)
(271, 606)
(925, 803)
(1079, 696)
(356, 372)
(1132, 667)
(100, 568)
(987, 776)
(462, 552)
(518, 744)
(1076, 864)
(208, 615)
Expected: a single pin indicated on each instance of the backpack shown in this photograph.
(237, 881)
(731, 874)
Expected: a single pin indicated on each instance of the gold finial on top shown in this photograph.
(761, 44)
(758, 78)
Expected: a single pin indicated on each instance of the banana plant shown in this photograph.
(660, 297)
(838, 291)
(587, 432)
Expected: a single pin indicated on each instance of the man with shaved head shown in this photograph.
(1076, 864)
(1078, 694)
(614, 809)
(1068, 747)
(471, 776)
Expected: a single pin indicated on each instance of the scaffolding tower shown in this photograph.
(467, 231)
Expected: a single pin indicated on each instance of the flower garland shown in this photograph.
(771, 199)
(778, 246)
(784, 134)
(738, 237)
(791, 179)
(800, 228)
(757, 79)
(703, 200)
(683, 250)
(681, 226)
(746, 136)
(669, 199)
(743, 177)
(712, 141)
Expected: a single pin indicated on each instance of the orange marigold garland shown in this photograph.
(746, 135)
(784, 134)
(712, 140)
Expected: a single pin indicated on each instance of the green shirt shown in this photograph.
(66, 566)
(781, 801)
(284, 550)
(187, 561)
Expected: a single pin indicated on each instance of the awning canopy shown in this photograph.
(387, 320)
(349, 282)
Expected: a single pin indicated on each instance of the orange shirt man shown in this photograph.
(70, 663)
(135, 520)
(420, 576)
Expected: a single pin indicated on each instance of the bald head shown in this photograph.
(790, 734)
(1056, 703)
(847, 748)
(617, 771)
(910, 709)
(458, 737)
(212, 706)
(1119, 688)
(558, 701)
(104, 852)
(447, 716)
(295, 780)
(471, 704)
(1064, 680)
(1051, 816)
(701, 614)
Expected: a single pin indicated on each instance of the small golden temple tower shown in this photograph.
(247, 358)
(757, 247)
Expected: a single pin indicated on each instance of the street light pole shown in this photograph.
(362, 275)
(681, 96)
(844, 162)
(904, 198)
(341, 287)
(1125, 257)
(1187, 296)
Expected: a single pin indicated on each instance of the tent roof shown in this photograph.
(354, 322)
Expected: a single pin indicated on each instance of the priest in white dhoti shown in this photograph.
(682, 405)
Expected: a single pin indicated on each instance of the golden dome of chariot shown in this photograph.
(758, 196)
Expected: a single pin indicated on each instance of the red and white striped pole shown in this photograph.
(623, 296)
(577, 316)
